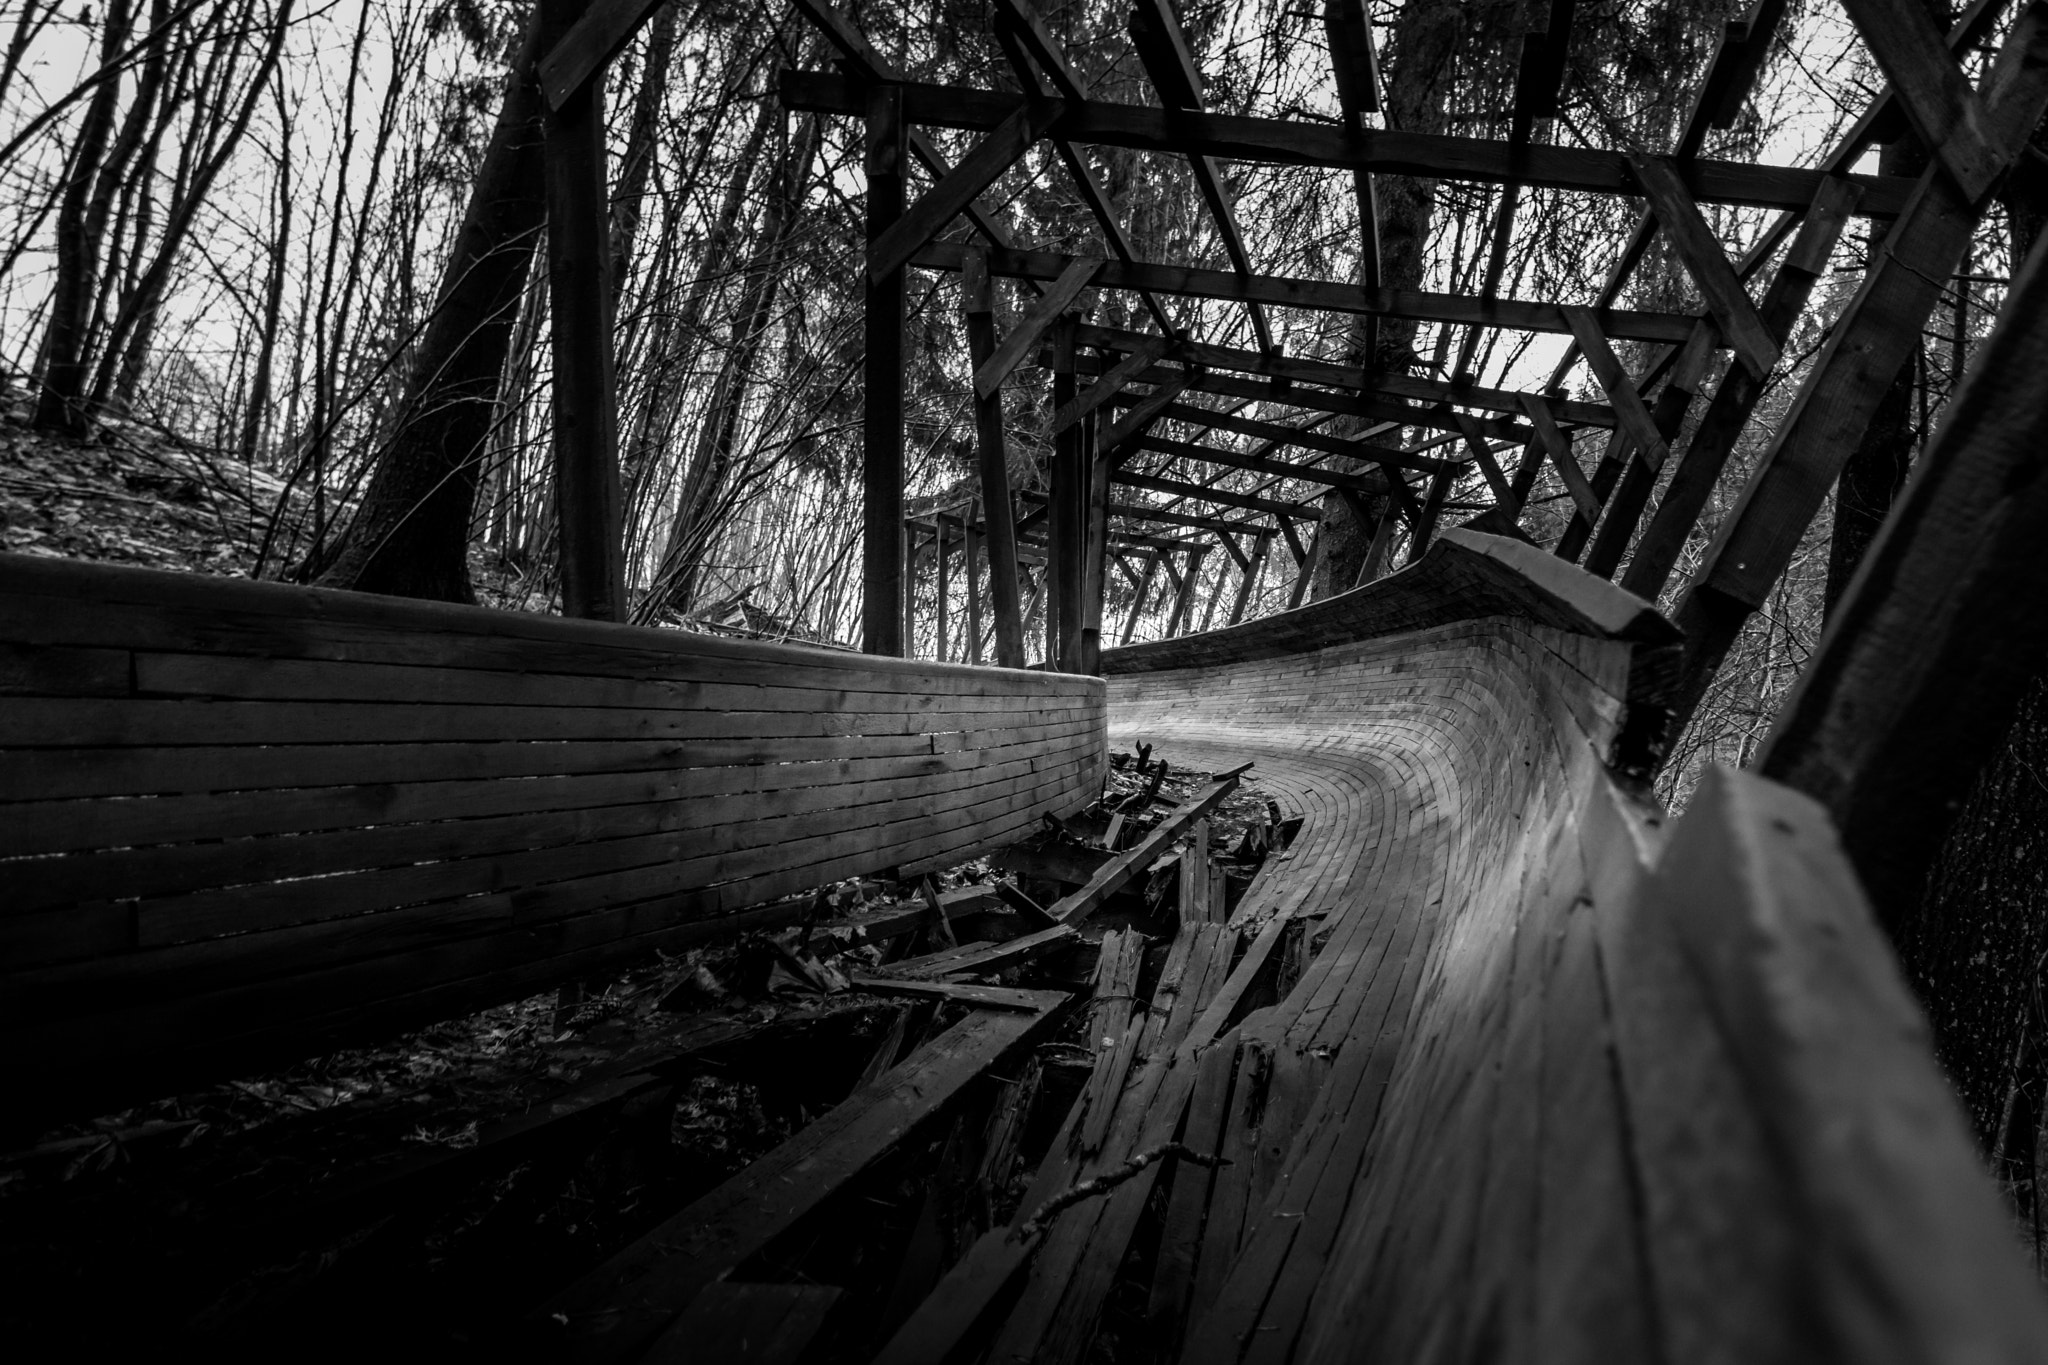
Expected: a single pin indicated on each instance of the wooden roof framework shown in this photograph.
(1115, 391)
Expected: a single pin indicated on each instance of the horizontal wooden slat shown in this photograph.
(244, 820)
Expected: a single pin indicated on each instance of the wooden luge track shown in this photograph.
(1537, 1079)
(1545, 1084)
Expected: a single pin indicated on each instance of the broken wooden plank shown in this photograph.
(976, 958)
(1069, 863)
(1116, 873)
(964, 992)
(617, 1308)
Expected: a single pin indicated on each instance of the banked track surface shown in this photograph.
(1542, 1087)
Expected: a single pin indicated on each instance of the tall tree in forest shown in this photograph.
(61, 404)
(410, 533)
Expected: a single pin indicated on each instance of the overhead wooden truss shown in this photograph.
(1140, 410)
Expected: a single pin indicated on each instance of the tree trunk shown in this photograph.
(410, 534)
(61, 405)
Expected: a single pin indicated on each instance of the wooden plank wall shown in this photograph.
(242, 822)
(1541, 1088)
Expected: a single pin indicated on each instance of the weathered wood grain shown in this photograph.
(236, 816)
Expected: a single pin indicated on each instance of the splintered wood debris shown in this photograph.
(929, 1063)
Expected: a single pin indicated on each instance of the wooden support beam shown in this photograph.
(1146, 351)
(1297, 142)
(1517, 314)
(1003, 148)
(1707, 263)
(1728, 412)
(866, 67)
(1143, 413)
(1612, 461)
(1930, 86)
(993, 460)
(1351, 377)
(1067, 284)
(1163, 50)
(1355, 65)
(1144, 590)
(1252, 570)
(1136, 511)
(883, 590)
(1215, 495)
(1306, 573)
(1482, 455)
(1924, 662)
(971, 551)
(1281, 434)
(1629, 407)
(1559, 447)
(1096, 553)
(1040, 64)
(1069, 539)
(586, 47)
(942, 608)
(586, 435)
(1632, 494)
(1286, 393)
(1868, 344)
(1265, 464)
(1432, 509)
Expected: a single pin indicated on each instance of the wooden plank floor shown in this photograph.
(1435, 1155)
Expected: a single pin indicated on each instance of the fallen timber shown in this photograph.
(243, 822)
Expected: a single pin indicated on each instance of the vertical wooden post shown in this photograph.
(907, 592)
(1066, 533)
(970, 549)
(884, 594)
(587, 500)
(1097, 527)
(945, 587)
(1004, 590)
(1307, 572)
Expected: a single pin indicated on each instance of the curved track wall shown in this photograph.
(242, 822)
(1534, 1088)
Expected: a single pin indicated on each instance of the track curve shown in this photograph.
(1502, 1069)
